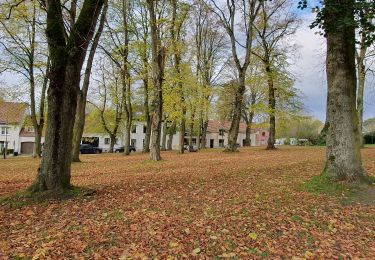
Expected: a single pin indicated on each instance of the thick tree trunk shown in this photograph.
(38, 141)
(170, 135)
(204, 135)
(158, 59)
(199, 133)
(112, 143)
(79, 123)
(343, 146)
(146, 147)
(146, 109)
(191, 130)
(66, 63)
(127, 134)
(271, 108)
(237, 112)
(164, 139)
(181, 148)
(248, 134)
(361, 71)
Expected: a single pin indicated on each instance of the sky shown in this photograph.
(309, 69)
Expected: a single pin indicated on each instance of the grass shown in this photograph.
(208, 200)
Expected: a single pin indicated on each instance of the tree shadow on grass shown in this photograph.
(346, 193)
(25, 198)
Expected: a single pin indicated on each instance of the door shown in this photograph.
(212, 143)
(27, 147)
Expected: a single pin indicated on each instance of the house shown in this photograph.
(12, 117)
(217, 134)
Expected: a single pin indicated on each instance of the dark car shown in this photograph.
(89, 149)
(121, 149)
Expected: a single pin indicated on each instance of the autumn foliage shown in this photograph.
(195, 206)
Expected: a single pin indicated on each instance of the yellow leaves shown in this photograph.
(196, 251)
(228, 255)
(173, 244)
(39, 254)
(253, 236)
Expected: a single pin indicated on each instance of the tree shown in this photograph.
(158, 60)
(209, 52)
(179, 15)
(67, 53)
(111, 98)
(24, 52)
(338, 20)
(248, 11)
(79, 122)
(140, 22)
(276, 22)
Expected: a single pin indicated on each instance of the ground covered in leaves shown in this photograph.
(206, 205)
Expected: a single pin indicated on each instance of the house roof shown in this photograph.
(12, 112)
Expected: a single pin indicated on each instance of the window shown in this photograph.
(116, 141)
(133, 142)
(263, 133)
(134, 129)
(221, 132)
(194, 141)
(144, 129)
(5, 130)
(106, 140)
(221, 142)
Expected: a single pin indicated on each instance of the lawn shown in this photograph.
(206, 205)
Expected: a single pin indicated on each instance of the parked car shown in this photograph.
(121, 149)
(89, 149)
(192, 148)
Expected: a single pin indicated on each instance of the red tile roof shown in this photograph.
(12, 112)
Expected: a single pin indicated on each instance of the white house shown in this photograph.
(217, 136)
(12, 117)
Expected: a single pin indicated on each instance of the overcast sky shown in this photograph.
(309, 70)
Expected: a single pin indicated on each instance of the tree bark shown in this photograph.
(112, 142)
(237, 112)
(204, 135)
(164, 139)
(79, 122)
(181, 148)
(343, 160)
(361, 71)
(170, 135)
(158, 58)
(271, 107)
(66, 63)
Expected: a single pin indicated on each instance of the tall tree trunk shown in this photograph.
(127, 135)
(248, 134)
(158, 58)
(361, 71)
(204, 135)
(200, 126)
(191, 128)
(181, 148)
(271, 107)
(79, 123)
(146, 109)
(170, 135)
(66, 63)
(237, 112)
(164, 139)
(112, 141)
(343, 161)
(146, 147)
